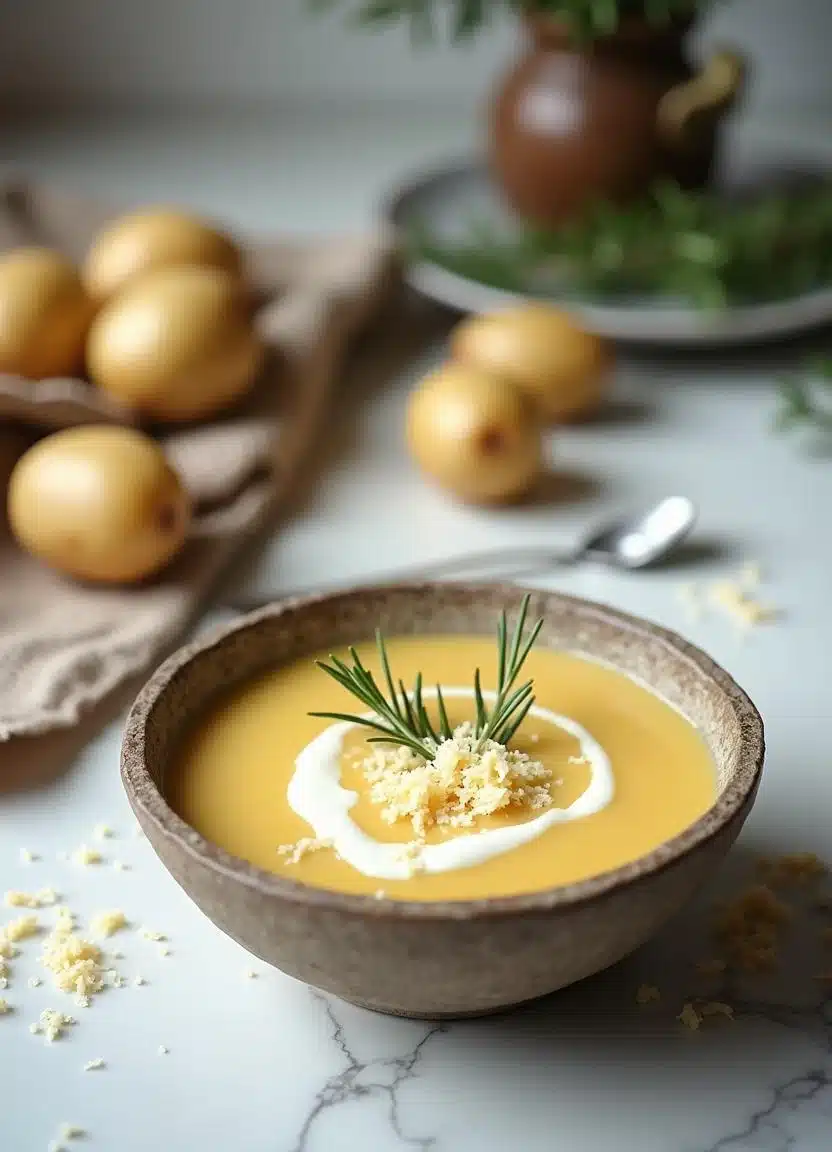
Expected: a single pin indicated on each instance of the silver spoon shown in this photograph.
(635, 541)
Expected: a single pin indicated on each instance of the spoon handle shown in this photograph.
(520, 562)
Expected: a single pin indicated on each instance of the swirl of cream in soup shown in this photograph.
(315, 794)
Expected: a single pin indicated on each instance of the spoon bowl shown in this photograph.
(644, 539)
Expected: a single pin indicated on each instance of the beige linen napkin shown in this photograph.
(65, 646)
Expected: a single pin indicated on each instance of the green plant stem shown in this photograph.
(692, 247)
(803, 404)
(401, 717)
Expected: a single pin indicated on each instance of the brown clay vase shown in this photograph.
(577, 123)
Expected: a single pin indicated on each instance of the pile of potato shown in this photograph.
(476, 424)
(158, 318)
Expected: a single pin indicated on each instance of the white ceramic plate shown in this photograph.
(449, 199)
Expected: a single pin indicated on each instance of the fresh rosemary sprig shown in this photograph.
(802, 404)
(402, 718)
(462, 19)
(696, 247)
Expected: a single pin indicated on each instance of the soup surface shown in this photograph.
(235, 768)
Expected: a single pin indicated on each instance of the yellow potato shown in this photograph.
(44, 314)
(98, 503)
(177, 344)
(541, 350)
(474, 434)
(153, 238)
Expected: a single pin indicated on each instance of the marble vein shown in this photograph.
(768, 1122)
(357, 1079)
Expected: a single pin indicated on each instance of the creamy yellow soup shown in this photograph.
(234, 770)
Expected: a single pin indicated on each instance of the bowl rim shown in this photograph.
(149, 803)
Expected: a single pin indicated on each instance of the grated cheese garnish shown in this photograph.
(458, 786)
(294, 853)
(94, 1065)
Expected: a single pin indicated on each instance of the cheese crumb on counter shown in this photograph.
(120, 866)
(148, 934)
(43, 898)
(647, 994)
(53, 1024)
(139, 981)
(251, 974)
(750, 929)
(717, 1008)
(163, 1051)
(34, 981)
(793, 869)
(86, 856)
(102, 832)
(15, 899)
(20, 929)
(71, 1132)
(5, 1007)
(65, 921)
(105, 924)
(163, 949)
(94, 1065)
(735, 600)
(27, 857)
(690, 1017)
(75, 964)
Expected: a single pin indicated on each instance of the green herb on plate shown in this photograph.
(685, 247)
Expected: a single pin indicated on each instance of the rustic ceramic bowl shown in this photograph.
(452, 958)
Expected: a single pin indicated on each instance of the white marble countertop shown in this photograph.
(268, 1066)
